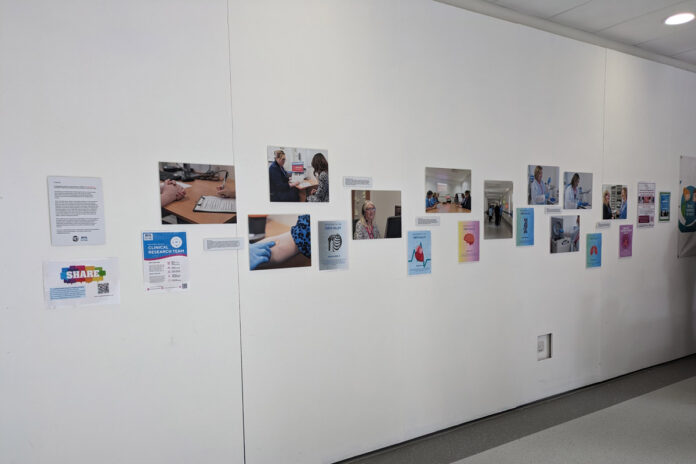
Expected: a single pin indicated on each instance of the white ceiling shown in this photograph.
(636, 23)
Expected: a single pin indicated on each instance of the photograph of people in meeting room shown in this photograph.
(497, 197)
(447, 190)
(376, 214)
(279, 241)
(565, 234)
(577, 190)
(298, 174)
(197, 193)
(614, 201)
(542, 185)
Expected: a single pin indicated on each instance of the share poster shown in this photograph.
(687, 207)
(646, 204)
(165, 261)
(593, 251)
(468, 241)
(525, 226)
(79, 282)
(665, 206)
(333, 245)
(419, 252)
(626, 241)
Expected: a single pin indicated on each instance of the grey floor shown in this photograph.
(490, 230)
(658, 427)
(648, 416)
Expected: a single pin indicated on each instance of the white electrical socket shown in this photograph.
(543, 346)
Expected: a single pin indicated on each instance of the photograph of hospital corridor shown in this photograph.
(497, 204)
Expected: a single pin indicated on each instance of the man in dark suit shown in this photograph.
(466, 203)
(281, 187)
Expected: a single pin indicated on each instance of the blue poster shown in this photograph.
(594, 250)
(333, 245)
(165, 261)
(665, 202)
(525, 226)
(419, 257)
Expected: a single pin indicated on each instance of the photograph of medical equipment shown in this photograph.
(565, 234)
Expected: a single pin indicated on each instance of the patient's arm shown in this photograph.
(284, 248)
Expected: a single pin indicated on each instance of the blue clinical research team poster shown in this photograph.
(525, 226)
(594, 250)
(419, 257)
(333, 245)
(165, 261)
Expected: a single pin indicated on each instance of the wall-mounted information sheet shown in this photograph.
(165, 261)
(76, 206)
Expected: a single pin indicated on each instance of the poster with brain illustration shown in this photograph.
(468, 241)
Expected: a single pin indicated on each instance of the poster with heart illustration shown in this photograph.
(419, 256)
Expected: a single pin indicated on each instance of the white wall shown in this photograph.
(109, 89)
(374, 357)
(369, 357)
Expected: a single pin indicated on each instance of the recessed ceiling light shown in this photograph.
(680, 18)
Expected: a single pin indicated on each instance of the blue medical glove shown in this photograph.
(259, 253)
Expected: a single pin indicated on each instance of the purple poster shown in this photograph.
(626, 241)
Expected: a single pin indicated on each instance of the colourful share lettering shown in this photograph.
(76, 274)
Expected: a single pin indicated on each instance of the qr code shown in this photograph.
(184, 285)
(102, 288)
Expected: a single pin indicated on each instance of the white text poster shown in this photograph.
(333, 245)
(646, 204)
(76, 206)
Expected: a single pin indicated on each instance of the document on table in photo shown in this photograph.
(213, 204)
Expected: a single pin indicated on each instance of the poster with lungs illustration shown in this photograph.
(468, 241)
(593, 253)
(419, 257)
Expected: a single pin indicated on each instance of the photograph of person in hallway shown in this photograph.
(497, 197)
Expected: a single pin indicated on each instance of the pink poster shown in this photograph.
(468, 241)
(626, 241)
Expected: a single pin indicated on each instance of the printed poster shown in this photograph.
(625, 241)
(525, 226)
(333, 245)
(687, 207)
(165, 261)
(593, 250)
(81, 282)
(468, 241)
(665, 206)
(76, 207)
(419, 255)
(646, 204)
